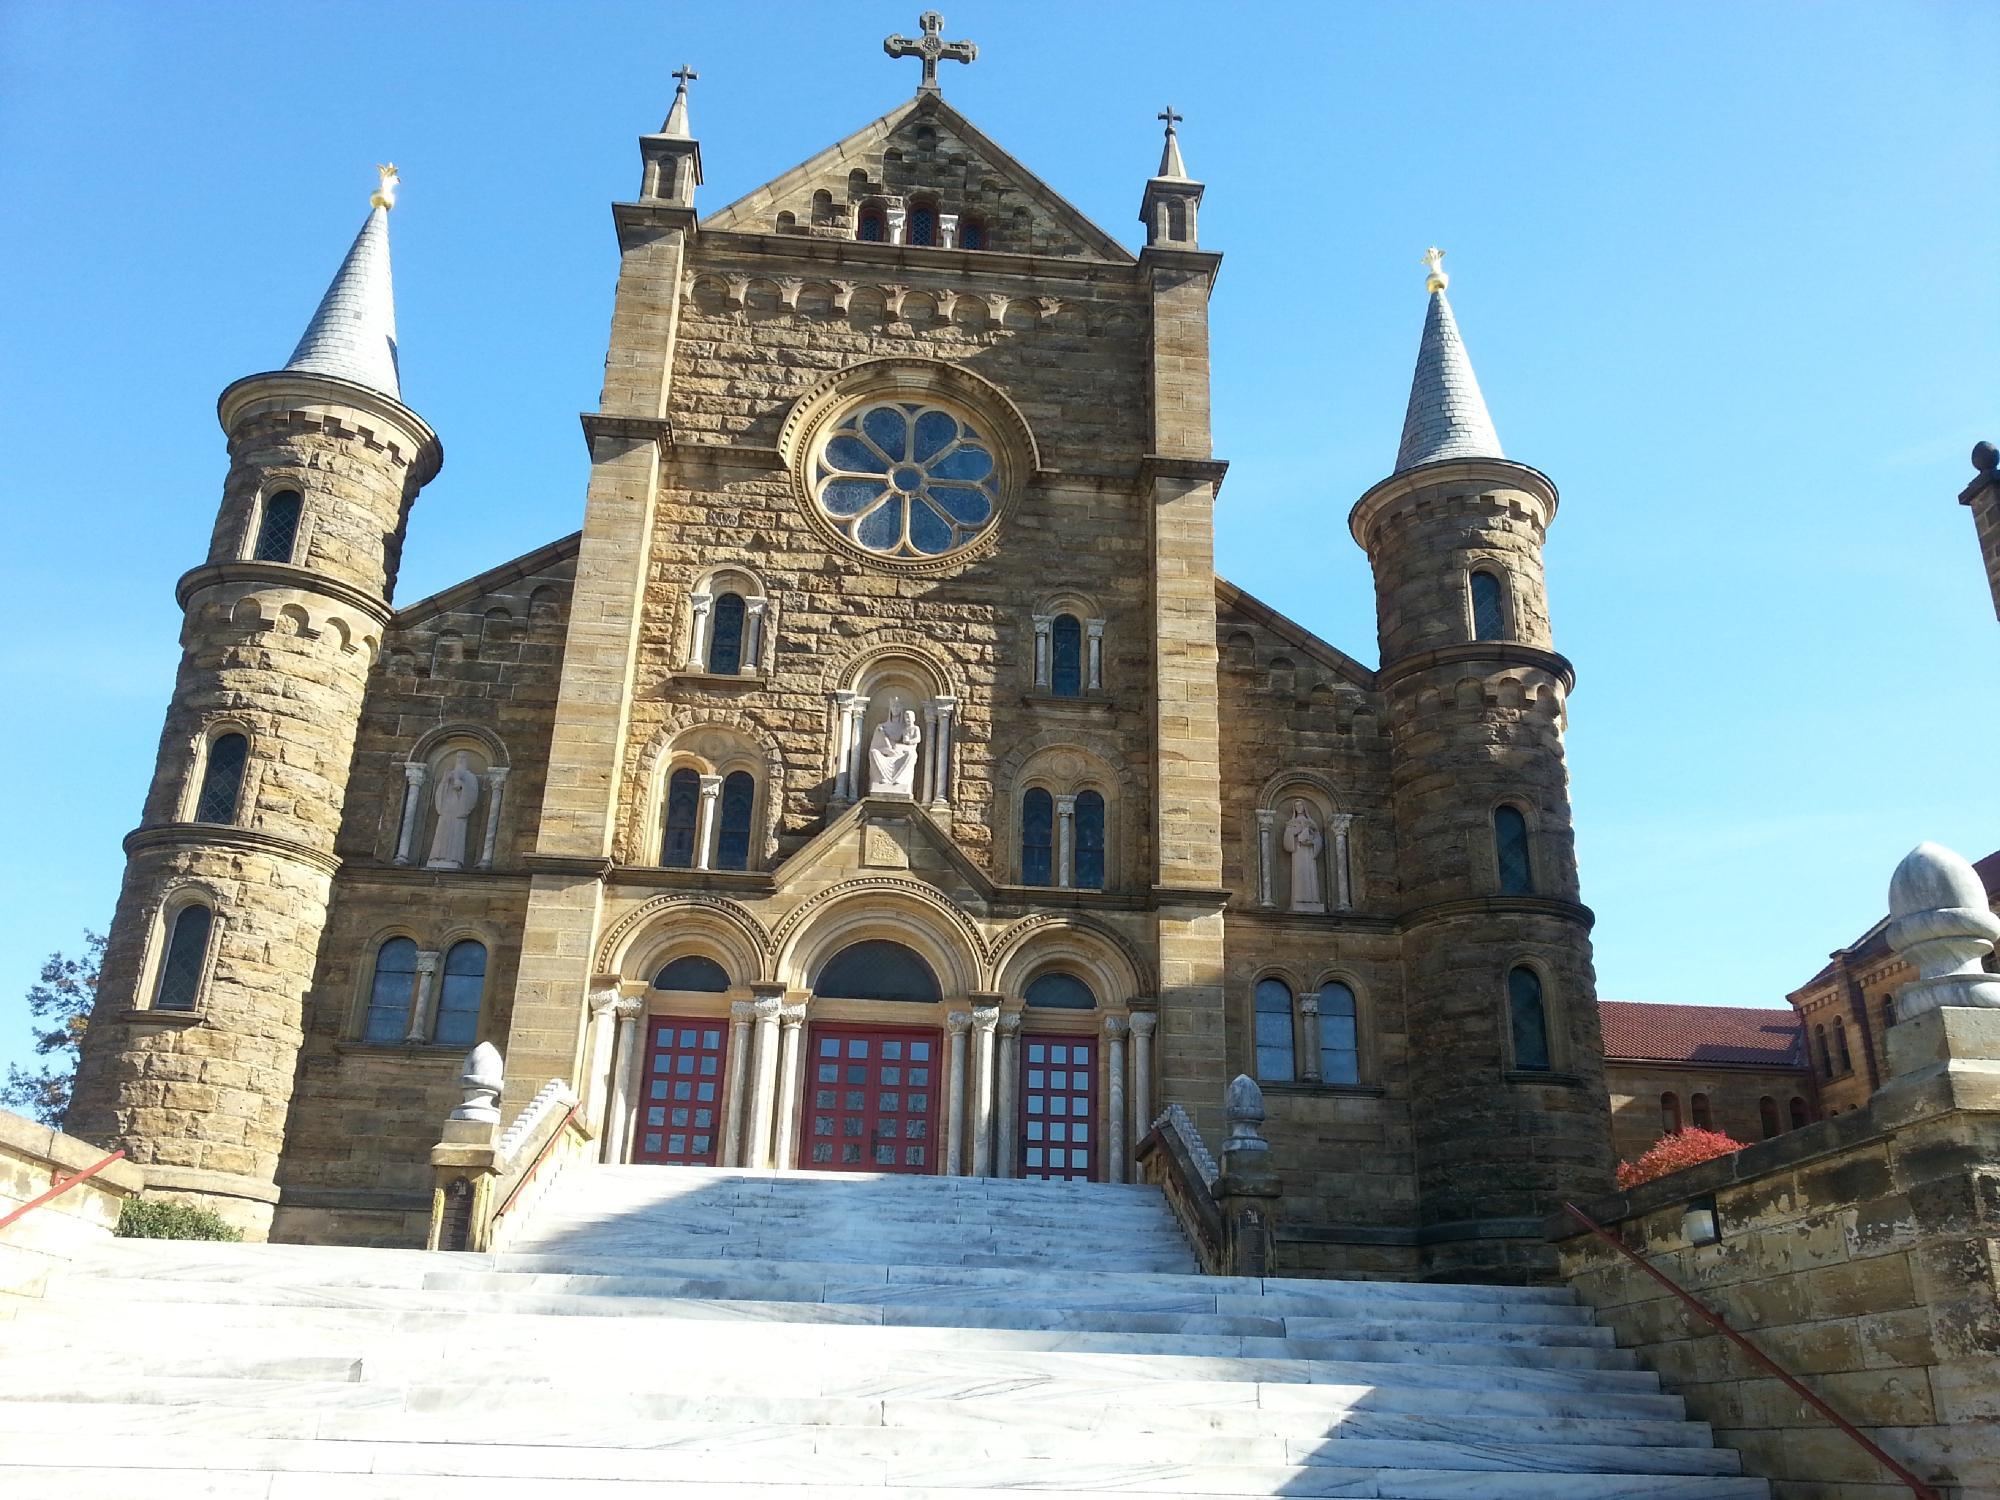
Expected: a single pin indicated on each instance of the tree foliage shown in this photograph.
(58, 1011)
(166, 1219)
(1672, 1153)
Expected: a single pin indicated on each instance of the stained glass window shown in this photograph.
(1510, 841)
(1038, 838)
(1090, 841)
(922, 227)
(1060, 992)
(222, 779)
(1066, 657)
(390, 993)
(872, 226)
(971, 235)
(1276, 1058)
(683, 810)
(692, 973)
(906, 480)
(732, 839)
(1531, 1023)
(725, 636)
(1339, 1035)
(459, 993)
(187, 951)
(877, 970)
(278, 530)
(1489, 621)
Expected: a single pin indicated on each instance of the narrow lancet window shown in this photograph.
(278, 529)
(1066, 645)
(186, 957)
(1489, 619)
(1530, 1020)
(1038, 837)
(732, 839)
(1510, 842)
(1276, 1047)
(222, 779)
(459, 994)
(1090, 841)
(390, 994)
(1339, 1036)
(683, 812)
(725, 636)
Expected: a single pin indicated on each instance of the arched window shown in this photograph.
(1825, 1052)
(1888, 1011)
(683, 812)
(1090, 841)
(1276, 1055)
(725, 635)
(1704, 1117)
(222, 779)
(389, 995)
(1840, 1052)
(1489, 619)
(179, 984)
(732, 839)
(1038, 837)
(1767, 1116)
(971, 234)
(1060, 992)
(1670, 1113)
(278, 528)
(922, 225)
(1801, 1116)
(1339, 1035)
(1530, 1020)
(1176, 219)
(694, 973)
(459, 994)
(873, 225)
(1066, 657)
(1510, 846)
(877, 970)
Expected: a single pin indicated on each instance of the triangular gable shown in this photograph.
(533, 564)
(889, 837)
(967, 169)
(1230, 597)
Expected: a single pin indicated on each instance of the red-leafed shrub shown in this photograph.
(1670, 1153)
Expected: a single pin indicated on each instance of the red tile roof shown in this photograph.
(1743, 1035)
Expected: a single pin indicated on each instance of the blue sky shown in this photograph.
(1725, 272)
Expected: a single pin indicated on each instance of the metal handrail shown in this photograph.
(60, 1186)
(535, 1166)
(1714, 1319)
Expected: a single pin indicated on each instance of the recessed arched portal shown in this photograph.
(878, 969)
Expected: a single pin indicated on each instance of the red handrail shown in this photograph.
(59, 1186)
(1916, 1486)
(536, 1165)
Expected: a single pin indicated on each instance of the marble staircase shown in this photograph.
(811, 1335)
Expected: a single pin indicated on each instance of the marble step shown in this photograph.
(875, 1187)
(1340, 1412)
(757, 1440)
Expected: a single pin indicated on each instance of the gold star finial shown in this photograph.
(384, 195)
(1437, 281)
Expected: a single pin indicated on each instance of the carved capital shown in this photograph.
(1267, 817)
(603, 998)
(790, 1016)
(1115, 1027)
(630, 1008)
(427, 962)
(711, 788)
(1143, 1022)
(1010, 1024)
(958, 1022)
(767, 1008)
(496, 777)
(1309, 1005)
(415, 772)
(986, 1017)
(741, 1012)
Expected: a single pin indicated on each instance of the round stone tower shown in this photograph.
(189, 1060)
(1507, 1089)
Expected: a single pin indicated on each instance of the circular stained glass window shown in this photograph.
(903, 479)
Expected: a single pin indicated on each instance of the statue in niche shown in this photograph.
(456, 794)
(892, 753)
(1302, 842)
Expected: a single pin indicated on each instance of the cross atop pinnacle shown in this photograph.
(930, 47)
(1171, 164)
(677, 116)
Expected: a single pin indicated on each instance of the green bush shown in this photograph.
(164, 1219)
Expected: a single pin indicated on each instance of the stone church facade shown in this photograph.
(881, 778)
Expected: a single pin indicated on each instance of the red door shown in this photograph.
(680, 1098)
(1058, 1107)
(873, 1106)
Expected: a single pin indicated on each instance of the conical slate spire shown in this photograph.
(353, 334)
(1447, 416)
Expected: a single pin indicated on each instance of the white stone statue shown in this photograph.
(1302, 842)
(892, 753)
(454, 798)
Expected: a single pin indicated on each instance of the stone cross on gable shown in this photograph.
(930, 47)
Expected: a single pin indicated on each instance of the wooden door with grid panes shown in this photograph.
(680, 1096)
(872, 1101)
(1058, 1114)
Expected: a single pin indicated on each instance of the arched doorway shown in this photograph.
(872, 1089)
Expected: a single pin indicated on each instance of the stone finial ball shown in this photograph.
(1985, 457)
(1934, 878)
(483, 1067)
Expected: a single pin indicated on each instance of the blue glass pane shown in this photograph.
(1090, 841)
(1060, 992)
(1530, 1022)
(692, 972)
(888, 429)
(934, 430)
(1038, 820)
(1488, 620)
(1336, 999)
(222, 780)
(849, 497)
(1066, 668)
(877, 970)
(1273, 998)
(1338, 1065)
(683, 807)
(930, 533)
(967, 506)
(390, 992)
(967, 462)
(922, 226)
(881, 530)
(725, 636)
(872, 228)
(278, 531)
(848, 452)
(187, 948)
(972, 235)
(732, 842)
(1510, 839)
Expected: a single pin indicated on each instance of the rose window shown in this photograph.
(906, 480)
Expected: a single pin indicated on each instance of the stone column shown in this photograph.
(1065, 839)
(740, 1012)
(947, 231)
(1094, 634)
(1009, 1070)
(704, 828)
(843, 726)
(1115, 1028)
(496, 788)
(1309, 1037)
(857, 748)
(1267, 829)
(1043, 649)
(791, 1064)
(895, 217)
(631, 1014)
(753, 637)
(924, 787)
(1143, 1022)
(1343, 865)
(424, 998)
(597, 1048)
(956, 1024)
(415, 774)
(763, 1080)
(980, 1104)
(697, 657)
(946, 708)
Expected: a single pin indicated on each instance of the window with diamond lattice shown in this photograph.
(683, 812)
(1510, 845)
(923, 225)
(222, 779)
(1489, 618)
(905, 480)
(186, 957)
(873, 226)
(971, 235)
(1058, 1107)
(278, 530)
(680, 1101)
(874, 1099)
(1530, 1020)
